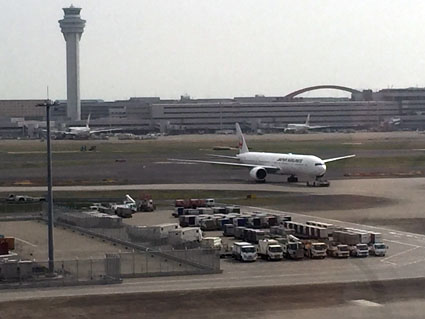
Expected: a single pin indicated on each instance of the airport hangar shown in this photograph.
(363, 110)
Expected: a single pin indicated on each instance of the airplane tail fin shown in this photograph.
(88, 121)
(307, 121)
(243, 148)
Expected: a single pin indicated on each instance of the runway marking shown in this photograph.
(385, 260)
(209, 279)
(413, 262)
(365, 303)
(401, 243)
(26, 242)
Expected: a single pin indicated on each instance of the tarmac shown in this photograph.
(405, 259)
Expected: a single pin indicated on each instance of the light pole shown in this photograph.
(47, 105)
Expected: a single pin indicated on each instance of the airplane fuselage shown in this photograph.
(288, 164)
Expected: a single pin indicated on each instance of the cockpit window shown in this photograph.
(318, 164)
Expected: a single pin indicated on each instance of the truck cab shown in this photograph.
(270, 249)
(359, 250)
(244, 251)
(293, 250)
(315, 250)
(339, 251)
(378, 249)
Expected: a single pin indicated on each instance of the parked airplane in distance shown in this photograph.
(80, 132)
(302, 128)
(309, 167)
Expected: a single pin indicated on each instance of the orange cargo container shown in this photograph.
(10, 242)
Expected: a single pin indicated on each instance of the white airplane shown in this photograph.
(83, 131)
(310, 167)
(302, 128)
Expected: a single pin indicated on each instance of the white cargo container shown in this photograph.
(164, 229)
(212, 242)
(185, 235)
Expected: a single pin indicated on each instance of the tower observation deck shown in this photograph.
(72, 27)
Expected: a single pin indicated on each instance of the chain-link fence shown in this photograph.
(20, 208)
(110, 269)
(102, 270)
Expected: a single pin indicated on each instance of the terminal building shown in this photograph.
(363, 110)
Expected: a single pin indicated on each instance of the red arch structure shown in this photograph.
(320, 87)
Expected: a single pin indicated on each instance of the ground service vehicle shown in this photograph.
(315, 249)
(24, 198)
(270, 249)
(359, 250)
(378, 249)
(338, 250)
(244, 251)
(292, 247)
(145, 204)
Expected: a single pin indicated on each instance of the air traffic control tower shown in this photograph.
(72, 27)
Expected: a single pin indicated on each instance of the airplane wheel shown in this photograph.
(292, 179)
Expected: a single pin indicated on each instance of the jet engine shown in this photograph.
(258, 173)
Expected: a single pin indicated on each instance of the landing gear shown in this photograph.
(292, 179)
(318, 183)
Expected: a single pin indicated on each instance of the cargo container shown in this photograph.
(233, 209)
(187, 220)
(240, 221)
(267, 221)
(212, 242)
(205, 210)
(256, 235)
(283, 218)
(221, 222)
(228, 230)
(254, 222)
(219, 210)
(329, 227)
(375, 238)
(239, 232)
(208, 224)
(185, 235)
(210, 202)
(178, 211)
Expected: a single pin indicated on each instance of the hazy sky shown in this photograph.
(212, 48)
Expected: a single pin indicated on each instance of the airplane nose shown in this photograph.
(321, 170)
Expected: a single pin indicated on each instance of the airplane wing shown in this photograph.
(318, 127)
(223, 156)
(338, 158)
(105, 130)
(269, 169)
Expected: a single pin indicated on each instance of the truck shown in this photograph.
(270, 249)
(244, 251)
(145, 203)
(292, 247)
(378, 249)
(315, 249)
(359, 250)
(24, 198)
(126, 209)
(338, 250)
